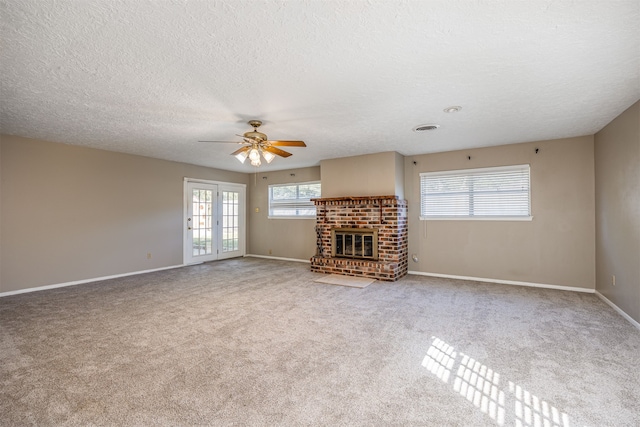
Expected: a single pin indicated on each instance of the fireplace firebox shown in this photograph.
(359, 243)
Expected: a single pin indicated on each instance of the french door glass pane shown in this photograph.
(230, 221)
(202, 204)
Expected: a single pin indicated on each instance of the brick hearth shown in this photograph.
(386, 213)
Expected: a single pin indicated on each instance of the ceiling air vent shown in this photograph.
(424, 128)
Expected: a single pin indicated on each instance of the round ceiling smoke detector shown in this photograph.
(424, 128)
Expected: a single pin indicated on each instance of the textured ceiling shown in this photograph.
(347, 77)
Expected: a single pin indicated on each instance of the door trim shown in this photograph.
(243, 216)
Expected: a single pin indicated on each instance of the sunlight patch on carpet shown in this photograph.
(482, 386)
(351, 281)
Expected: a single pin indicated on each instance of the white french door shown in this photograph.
(214, 221)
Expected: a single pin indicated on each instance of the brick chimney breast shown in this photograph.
(386, 214)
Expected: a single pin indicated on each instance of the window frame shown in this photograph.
(303, 203)
(477, 172)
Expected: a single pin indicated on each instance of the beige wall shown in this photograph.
(557, 247)
(617, 190)
(72, 213)
(284, 238)
(1, 213)
(368, 175)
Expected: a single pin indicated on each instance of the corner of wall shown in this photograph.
(399, 159)
(279, 238)
(617, 211)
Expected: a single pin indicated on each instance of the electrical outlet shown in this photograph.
(149, 255)
(269, 251)
(613, 279)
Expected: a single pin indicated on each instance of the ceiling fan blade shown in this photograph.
(287, 143)
(241, 150)
(275, 150)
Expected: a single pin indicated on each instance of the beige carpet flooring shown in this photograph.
(254, 342)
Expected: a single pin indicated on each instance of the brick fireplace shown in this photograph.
(386, 215)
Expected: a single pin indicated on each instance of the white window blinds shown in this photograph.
(293, 200)
(487, 193)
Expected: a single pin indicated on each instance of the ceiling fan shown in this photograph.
(256, 144)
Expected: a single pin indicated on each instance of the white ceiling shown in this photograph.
(347, 77)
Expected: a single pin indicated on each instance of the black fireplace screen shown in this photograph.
(359, 243)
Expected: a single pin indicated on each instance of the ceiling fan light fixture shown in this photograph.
(241, 156)
(268, 156)
(254, 155)
(256, 147)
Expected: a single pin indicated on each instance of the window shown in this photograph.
(487, 193)
(293, 200)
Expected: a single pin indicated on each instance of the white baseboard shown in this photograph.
(505, 282)
(80, 282)
(619, 310)
(278, 258)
